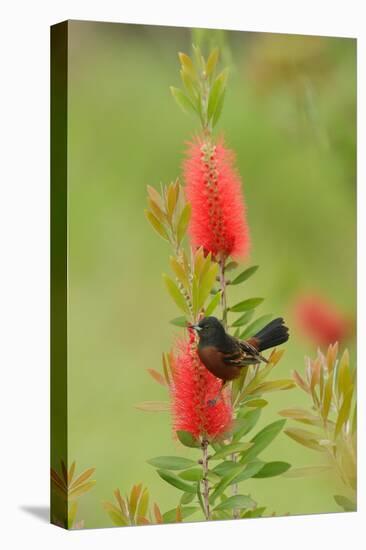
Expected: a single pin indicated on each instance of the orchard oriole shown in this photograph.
(224, 356)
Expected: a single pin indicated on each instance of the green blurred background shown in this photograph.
(290, 116)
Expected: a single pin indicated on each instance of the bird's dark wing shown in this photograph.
(238, 353)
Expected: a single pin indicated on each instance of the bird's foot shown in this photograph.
(212, 402)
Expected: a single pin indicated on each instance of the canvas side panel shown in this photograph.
(59, 81)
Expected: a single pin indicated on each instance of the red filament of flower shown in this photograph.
(320, 321)
(191, 391)
(213, 187)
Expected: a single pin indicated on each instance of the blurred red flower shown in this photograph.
(320, 320)
(213, 187)
(191, 391)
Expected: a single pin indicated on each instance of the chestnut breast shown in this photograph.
(214, 362)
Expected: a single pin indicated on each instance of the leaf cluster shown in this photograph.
(204, 88)
(70, 487)
(331, 421)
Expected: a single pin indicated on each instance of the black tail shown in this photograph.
(273, 334)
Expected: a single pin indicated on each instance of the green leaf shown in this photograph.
(187, 63)
(256, 513)
(236, 501)
(207, 282)
(183, 101)
(179, 322)
(345, 503)
(231, 449)
(176, 294)
(81, 489)
(262, 439)
(186, 498)
(345, 409)
(183, 221)
(171, 462)
(244, 275)
(272, 469)
(143, 504)
(179, 271)
(301, 415)
(187, 439)
(245, 305)
(71, 515)
(159, 228)
(171, 515)
(212, 61)
(195, 474)
(230, 266)
(305, 438)
(115, 514)
(218, 110)
(225, 468)
(245, 423)
(199, 496)
(213, 304)
(273, 385)
(227, 480)
(250, 471)
(256, 326)
(243, 319)
(217, 90)
(176, 481)
(256, 403)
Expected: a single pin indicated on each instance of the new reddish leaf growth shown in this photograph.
(191, 391)
(213, 187)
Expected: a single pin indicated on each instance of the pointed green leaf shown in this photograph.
(262, 439)
(176, 294)
(213, 304)
(243, 319)
(194, 474)
(244, 275)
(183, 222)
(227, 480)
(186, 498)
(256, 326)
(182, 100)
(245, 423)
(236, 501)
(231, 449)
(186, 511)
(272, 469)
(176, 481)
(171, 462)
(187, 439)
(179, 322)
(159, 228)
(217, 90)
(245, 305)
(305, 438)
(212, 61)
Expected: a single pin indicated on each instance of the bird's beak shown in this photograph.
(197, 328)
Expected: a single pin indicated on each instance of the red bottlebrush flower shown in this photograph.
(321, 321)
(193, 387)
(213, 187)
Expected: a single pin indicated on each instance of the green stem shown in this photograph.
(223, 292)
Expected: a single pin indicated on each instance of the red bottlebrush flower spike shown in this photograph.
(213, 188)
(321, 321)
(191, 391)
